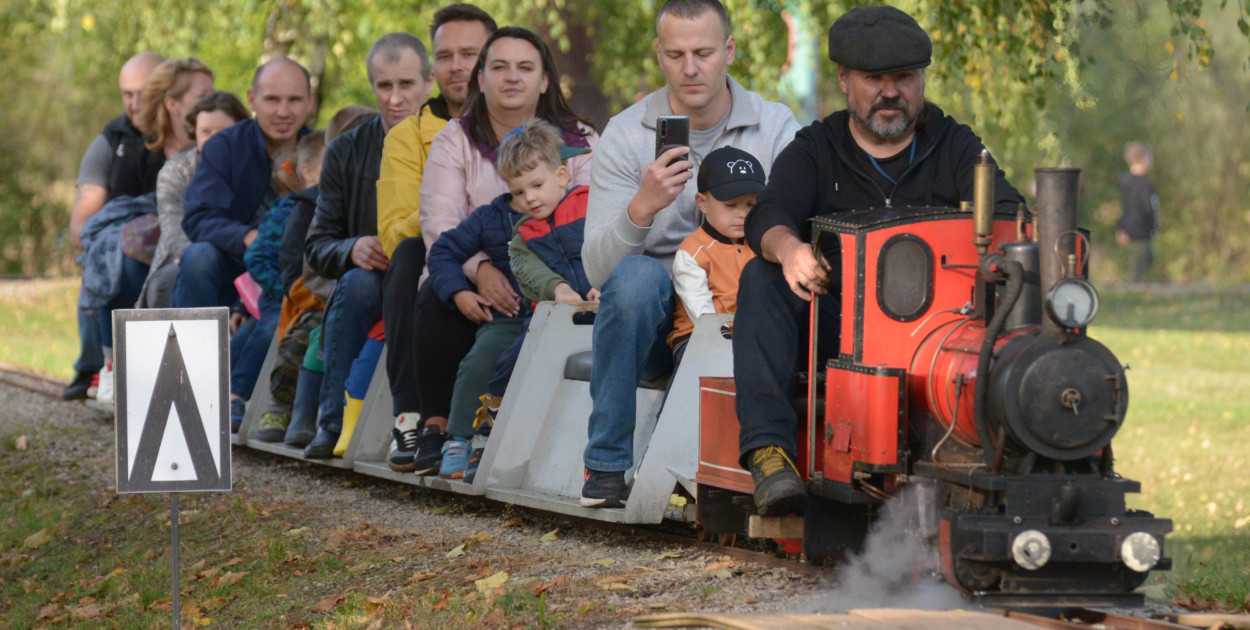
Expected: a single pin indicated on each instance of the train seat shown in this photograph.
(577, 368)
(535, 452)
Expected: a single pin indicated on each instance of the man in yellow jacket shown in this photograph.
(457, 35)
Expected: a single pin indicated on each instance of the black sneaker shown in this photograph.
(77, 388)
(604, 489)
(403, 443)
(778, 488)
(428, 457)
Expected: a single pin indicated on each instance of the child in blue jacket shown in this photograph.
(487, 229)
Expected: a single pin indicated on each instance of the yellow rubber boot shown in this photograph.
(351, 412)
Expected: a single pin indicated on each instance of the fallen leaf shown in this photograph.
(481, 537)
(719, 574)
(90, 611)
(202, 575)
(617, 586)
(233, 561)
(213, 603)
(295, 532)
(441, 510)
(422, 576)
(327, 604)
(720, 565)
(667, 555)
(587, 607)
(657, 605)
(229, 578)
(376, 625)
(1241, 522)
(360, 567)
(48, 611)
(20, 443)
(398, 558)
(549, 536)
(440, 602)
(516, 522)
(37, 539)
(602, 562)
(477, 576)
(495, 581)
(455, 553)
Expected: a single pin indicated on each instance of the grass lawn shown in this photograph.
(1187, 436)
(39, 325)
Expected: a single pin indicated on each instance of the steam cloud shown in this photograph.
(895, 568)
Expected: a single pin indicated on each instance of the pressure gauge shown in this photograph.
(1072, 302)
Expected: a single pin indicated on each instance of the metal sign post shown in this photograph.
(173, 529)
(172, 418)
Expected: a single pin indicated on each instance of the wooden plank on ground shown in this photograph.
(757, 622)
(904, 619)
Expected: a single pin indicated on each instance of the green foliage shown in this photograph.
(1025, 74)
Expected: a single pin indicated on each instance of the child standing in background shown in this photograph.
(1139, 218)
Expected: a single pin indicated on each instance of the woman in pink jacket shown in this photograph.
(515, 80)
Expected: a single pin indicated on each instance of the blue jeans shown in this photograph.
(250, 344)
(206, 277)
(628, 343)
(90, 354)
(354, 308)
(133, 275)
(361, 374)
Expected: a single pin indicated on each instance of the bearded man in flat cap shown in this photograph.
(888, 148)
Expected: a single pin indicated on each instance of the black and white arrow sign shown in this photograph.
(173, 423)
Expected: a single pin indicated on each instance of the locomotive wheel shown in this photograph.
(727, 540)
(975, 576)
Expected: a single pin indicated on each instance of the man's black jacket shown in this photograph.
(347, 205)
(818, 174)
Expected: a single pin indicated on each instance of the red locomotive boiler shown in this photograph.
(963, 366)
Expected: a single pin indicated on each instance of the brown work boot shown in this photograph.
(778, 487)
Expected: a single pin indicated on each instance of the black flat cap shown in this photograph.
(879, 40)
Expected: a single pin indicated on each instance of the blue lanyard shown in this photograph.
(910, 158)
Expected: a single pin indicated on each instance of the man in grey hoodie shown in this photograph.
(642, 206)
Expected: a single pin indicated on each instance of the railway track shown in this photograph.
(689, 536)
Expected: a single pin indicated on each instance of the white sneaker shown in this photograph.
(104, 393)
(404, 442)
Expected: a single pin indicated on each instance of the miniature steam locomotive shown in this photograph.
(963, 368)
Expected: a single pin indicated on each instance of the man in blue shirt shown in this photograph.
(231, 187)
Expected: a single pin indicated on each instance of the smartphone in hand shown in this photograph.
(672, 131)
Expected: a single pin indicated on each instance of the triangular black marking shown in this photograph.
(173, 389)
